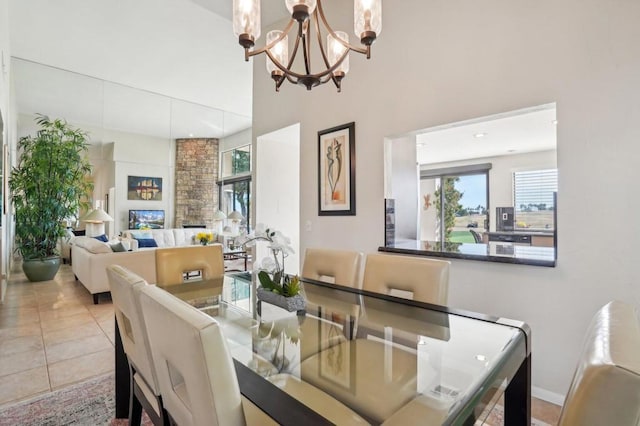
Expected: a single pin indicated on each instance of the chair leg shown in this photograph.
(135, 407)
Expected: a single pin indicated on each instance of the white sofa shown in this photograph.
(91, 257)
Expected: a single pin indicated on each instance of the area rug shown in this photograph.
(87, 403)
(496, 417)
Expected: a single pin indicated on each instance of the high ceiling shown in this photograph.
(513, 133)
(166, 69)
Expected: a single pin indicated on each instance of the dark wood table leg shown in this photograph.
(517, 397)
(122, 379)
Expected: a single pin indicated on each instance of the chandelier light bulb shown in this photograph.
(280, 51)
(367, 20)
(300, 10)
(246, 21)
(336, 50)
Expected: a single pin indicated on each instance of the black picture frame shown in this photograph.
(337, 171)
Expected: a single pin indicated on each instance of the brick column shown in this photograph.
(196, 181)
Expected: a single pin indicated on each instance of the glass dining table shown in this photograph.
(391, 360)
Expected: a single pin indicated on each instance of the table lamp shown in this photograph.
(218, 217)
(236, 217)
(95, 222)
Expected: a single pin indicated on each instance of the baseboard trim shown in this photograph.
(545, 395)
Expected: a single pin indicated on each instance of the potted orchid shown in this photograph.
(276, 286)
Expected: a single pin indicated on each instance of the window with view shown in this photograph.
(534, 199)
(235, 183)
(460, 196)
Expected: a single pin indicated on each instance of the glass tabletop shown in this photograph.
(390, 360)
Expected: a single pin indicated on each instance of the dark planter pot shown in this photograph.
(41, 270)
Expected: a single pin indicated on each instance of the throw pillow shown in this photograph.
(118, 247)
(102, 238)
(146, 242)
(141, 234)
(94, 246)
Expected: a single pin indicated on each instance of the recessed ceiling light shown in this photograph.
(479, 135)
(554, 122)
(481, 358)
(190, 135)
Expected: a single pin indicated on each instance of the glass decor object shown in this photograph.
(246, 21)
(336, 50)
(309, 25)
(367, 19)
(280, 52)
(300, 9)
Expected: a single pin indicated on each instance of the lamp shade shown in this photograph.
(219, 215)
(97, 216)
(235, 215)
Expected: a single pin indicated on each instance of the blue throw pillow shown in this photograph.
(146, 242)
(102, 238)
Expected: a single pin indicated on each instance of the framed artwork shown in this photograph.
(144, 188)
(337, 171)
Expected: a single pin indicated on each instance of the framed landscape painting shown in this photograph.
(337, 171)
(144, 188)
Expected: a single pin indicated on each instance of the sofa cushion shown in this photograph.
(102, 238)
(141, 234)
(117, 247)
(92, 245)
(146, 242)
(164, 237)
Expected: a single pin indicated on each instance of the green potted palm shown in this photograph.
(49, 184)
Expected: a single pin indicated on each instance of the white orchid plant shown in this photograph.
(271, 268)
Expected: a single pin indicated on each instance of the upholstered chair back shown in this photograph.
(340, 267)
(606, 385)
(125, 293)
(419, 278)
(172, 263)
(195, 370)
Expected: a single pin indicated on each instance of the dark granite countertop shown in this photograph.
(492, 252)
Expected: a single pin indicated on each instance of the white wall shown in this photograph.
(5, 63)
(278, 188)
(234, 141)
(148, 156)
(441, 62)
(404, 187)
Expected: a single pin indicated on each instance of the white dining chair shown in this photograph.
(196, 372)
(172, 263)
(341, 267)
(605, 389)
(125, 286)
(418, 278)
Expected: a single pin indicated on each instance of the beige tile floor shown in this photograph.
(52, 336)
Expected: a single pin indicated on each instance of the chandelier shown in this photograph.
(367, 23)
